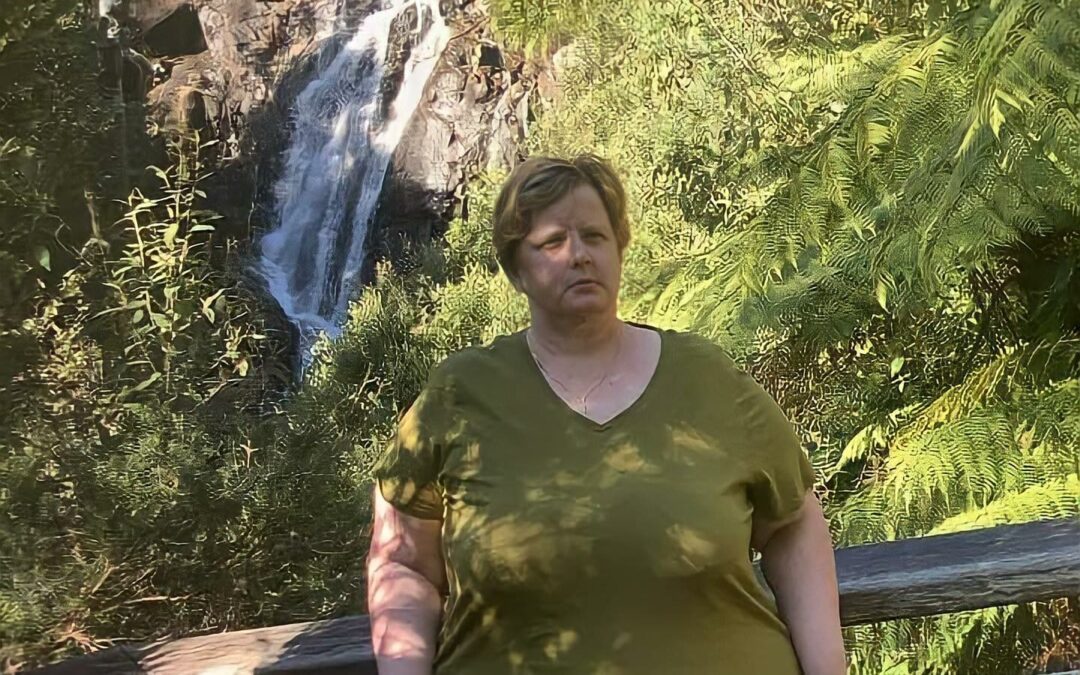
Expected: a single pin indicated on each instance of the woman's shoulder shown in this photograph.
(716, 376)
(478, 362)
(706, 367)
(695, 351)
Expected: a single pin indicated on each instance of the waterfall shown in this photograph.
(338, 154)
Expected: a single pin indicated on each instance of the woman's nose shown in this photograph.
(579, 252)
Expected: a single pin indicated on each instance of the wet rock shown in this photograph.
(177, 34)
(471, 119)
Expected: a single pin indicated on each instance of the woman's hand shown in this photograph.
(406, 577)
(797, 558)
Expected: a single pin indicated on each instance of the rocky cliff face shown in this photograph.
(231, 69)
(472, 118)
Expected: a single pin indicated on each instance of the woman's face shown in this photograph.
(570, 263)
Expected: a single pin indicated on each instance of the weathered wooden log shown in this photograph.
(955, 572)
(122, 660)
(332, 647)
(913, 577)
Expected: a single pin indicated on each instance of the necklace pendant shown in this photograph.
(582, 401)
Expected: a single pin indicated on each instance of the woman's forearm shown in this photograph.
(404, 608)
(799, 563)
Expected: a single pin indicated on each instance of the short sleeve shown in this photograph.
(780, 471)
(408, 471)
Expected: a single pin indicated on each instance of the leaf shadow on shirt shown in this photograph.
(580, 561)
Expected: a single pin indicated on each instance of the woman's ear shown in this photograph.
(514, 277)
(516, 282)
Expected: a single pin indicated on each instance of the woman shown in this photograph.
(585, 493)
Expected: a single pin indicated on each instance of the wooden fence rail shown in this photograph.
(914, 577)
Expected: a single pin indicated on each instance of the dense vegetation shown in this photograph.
(875, 206)
(148, 482)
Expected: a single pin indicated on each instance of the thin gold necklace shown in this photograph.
(584, 400)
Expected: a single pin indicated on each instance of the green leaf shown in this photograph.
(142, 385)
(170, 233)
(882, 295)
(113, 310)
(43, 257)
(934, 10)
(896, 365)
(997, 118)
(184, 308)
(207, 310)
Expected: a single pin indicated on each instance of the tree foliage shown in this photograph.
(883, 226)
(150, 481)
(51, 118)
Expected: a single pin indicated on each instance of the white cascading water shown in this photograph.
(334, 168)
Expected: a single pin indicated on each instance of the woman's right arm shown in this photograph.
(406, 579)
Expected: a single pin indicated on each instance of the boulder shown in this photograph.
(176, 34)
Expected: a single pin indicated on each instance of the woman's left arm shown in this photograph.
(797, 558)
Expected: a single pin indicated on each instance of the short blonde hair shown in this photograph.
(539, 182)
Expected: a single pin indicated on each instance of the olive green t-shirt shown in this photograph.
(599, 549)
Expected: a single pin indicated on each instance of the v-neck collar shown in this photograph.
(557, 402)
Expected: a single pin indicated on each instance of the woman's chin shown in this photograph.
(588, 306)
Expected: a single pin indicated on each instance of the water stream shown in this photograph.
(338, 154)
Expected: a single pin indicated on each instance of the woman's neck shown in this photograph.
(576, 336)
